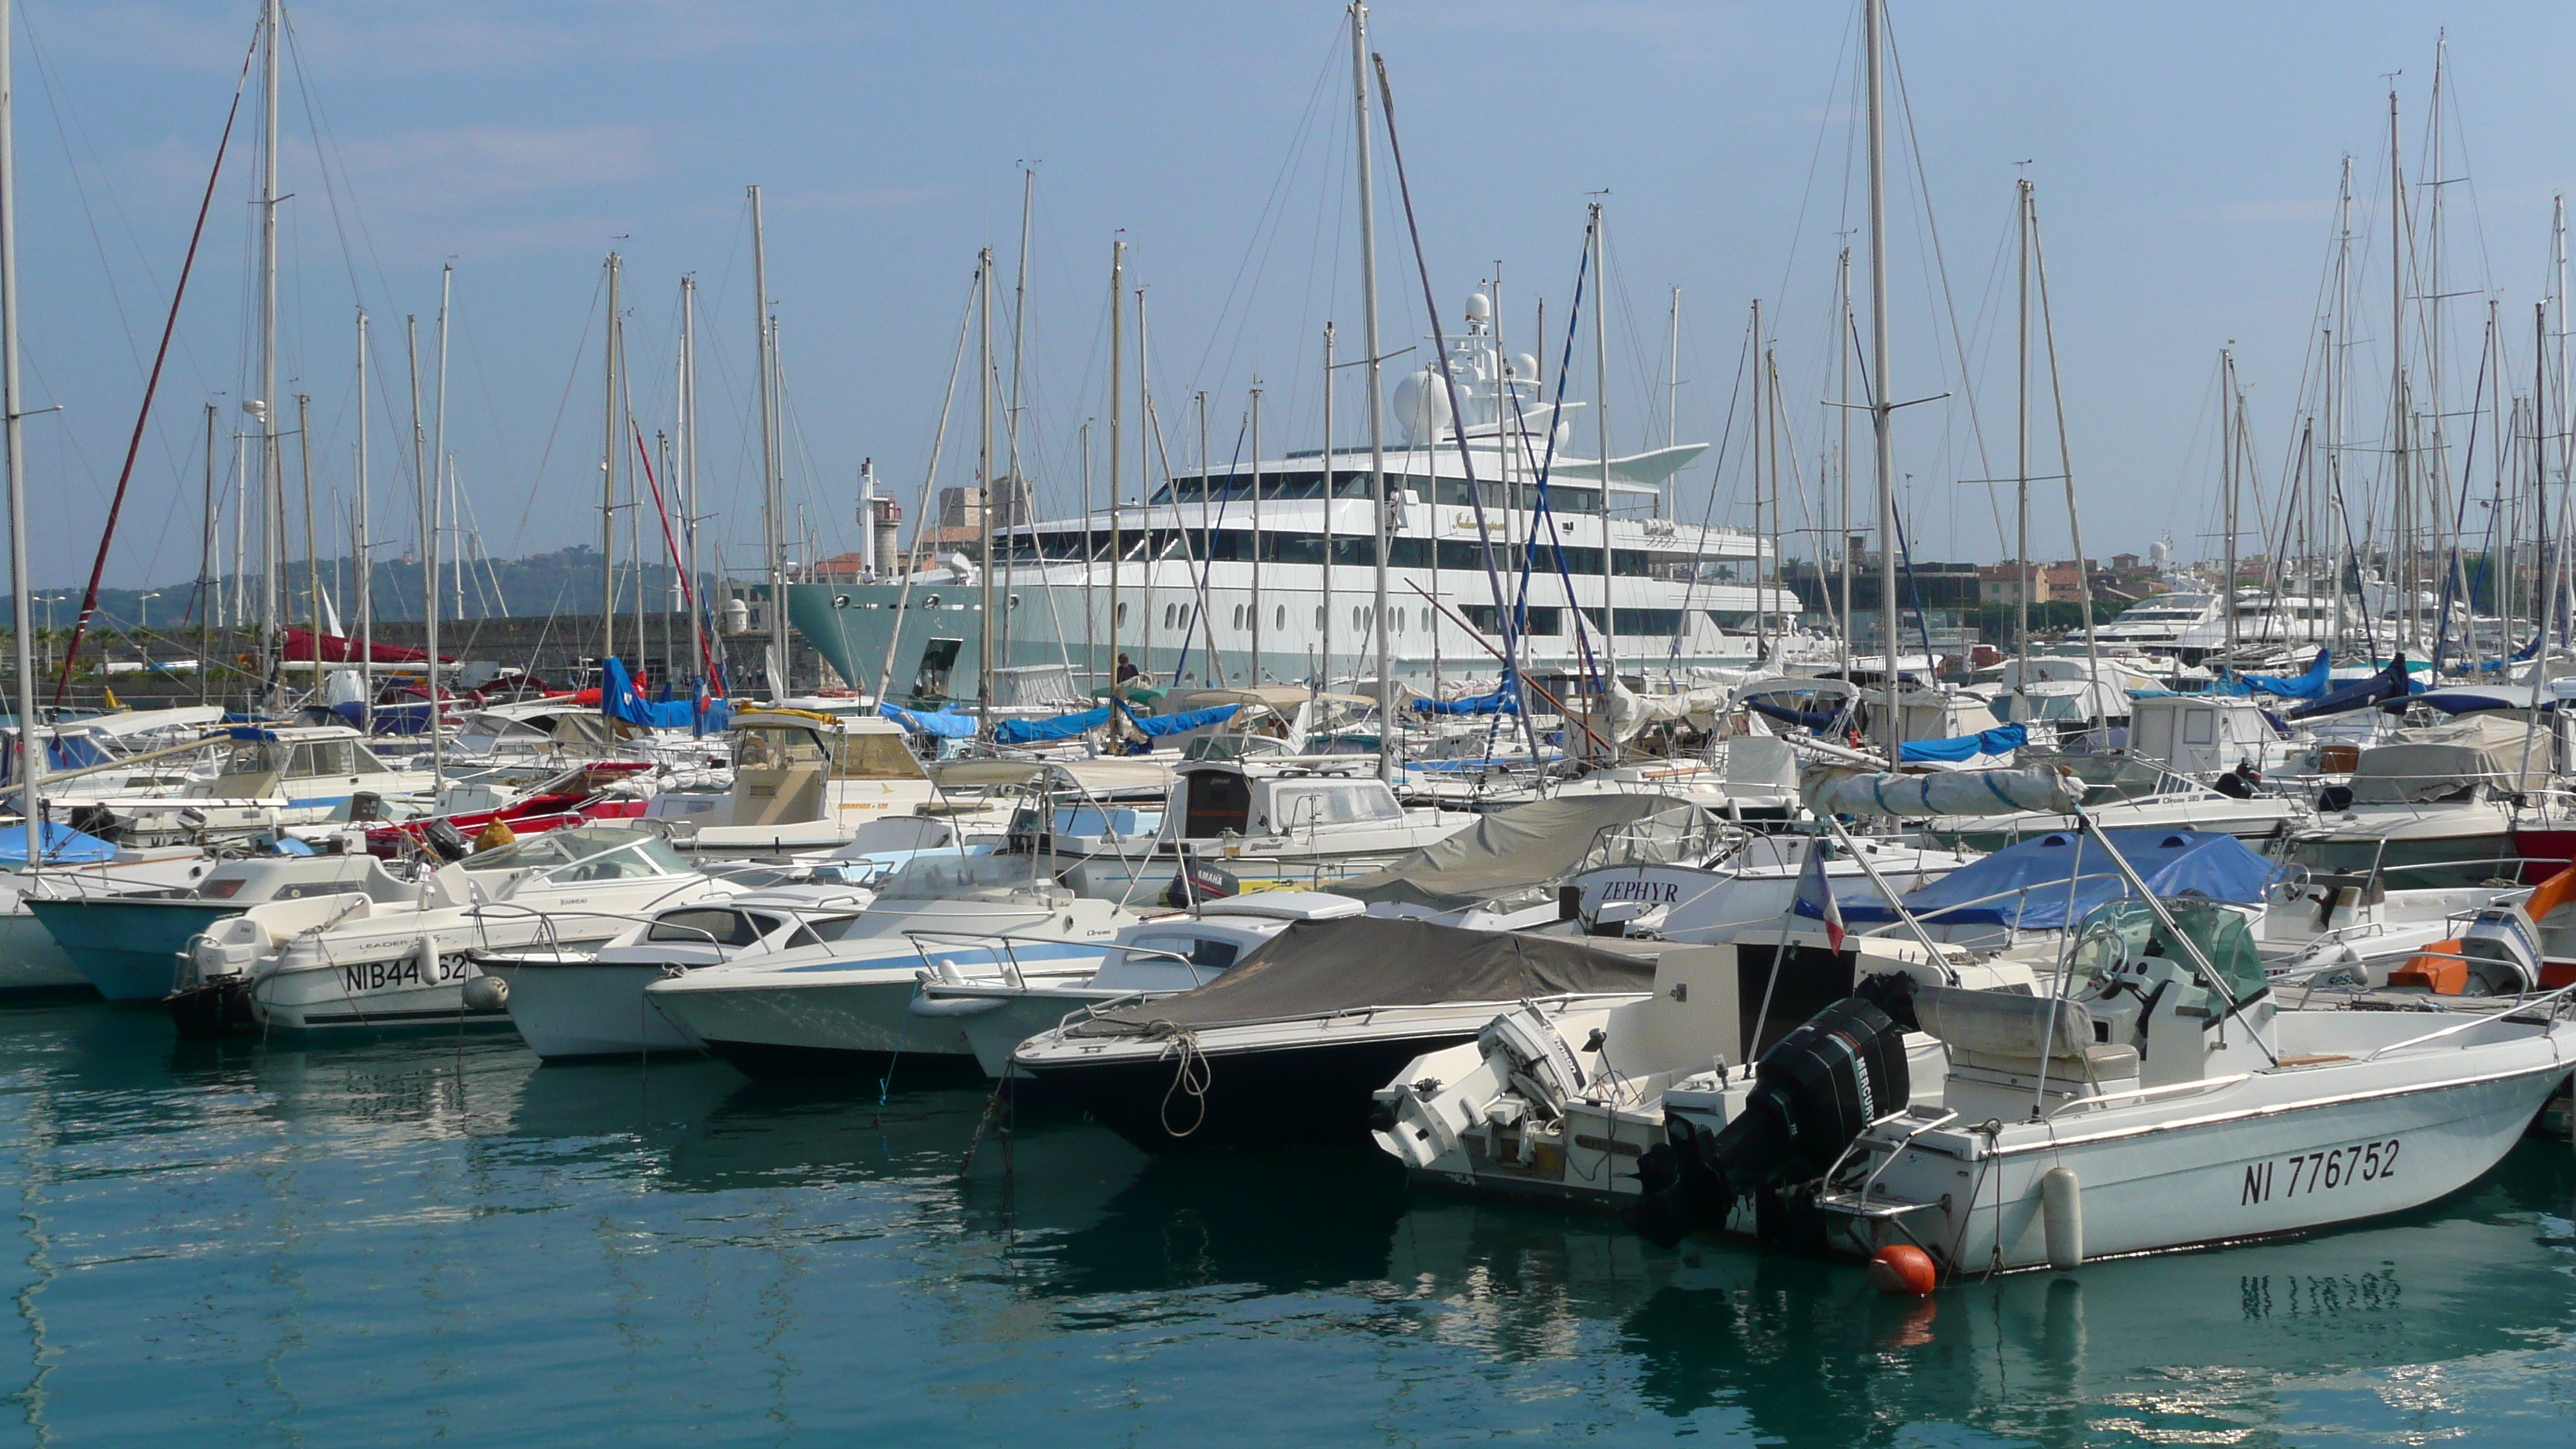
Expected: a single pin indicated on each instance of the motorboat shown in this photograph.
(71, 865)
(1292, 820)
(1512, 868)
(2433, 808)
(1748, 886)
(374, 964)
(2042, 888)
(1158, 958)
(596, 790)
(842, 1007)
(571, 1003)
(275, 776)
(2157, 623)
(1562, 1108)
(2169, 1100)
(1289, 1045)
(131, 943)
(801, 781)
(2129, 792)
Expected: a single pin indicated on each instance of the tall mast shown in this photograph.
(772, 540)
(607, 482)
(1386, 720)
(1019, 329)
(1881, 410)
(1672, 374)
(1324, 675)
(442, 507)
(1145, 440)
(272, 467)
(2227, 421)
(2401, 509)
(686, 485)
(984, 460)
(1601, 432)
(209, 584)
(2023, 584)
(312, 561)
(2336, 346)
(429, 546)
(1117, 425)
(1761, 422)
(366, 560)
(31, 750)
(1090, 627)
(1255, 537)
(1843, 341)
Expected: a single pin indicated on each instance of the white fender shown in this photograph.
(2061, 1203)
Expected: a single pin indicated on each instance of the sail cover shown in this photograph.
(2001, 740)
(2026, 886)
(1836, 790)
(1356, 962)
(1518, 855)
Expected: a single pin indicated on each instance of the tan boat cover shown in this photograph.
(2427, 765)
(1520, 854)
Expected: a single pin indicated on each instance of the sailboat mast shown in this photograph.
(1117, 427)
(607, 481)
(1601, 434)
(271, 467)
(2227, 421)
(685, 458)
(443, 508)
(1843, 342)
(209, 587)
(1881, 409)
(366, 559)
(422, 486)
(1019, 330)
(1386, 720)
(770, 523)
(2401, 510)
(986, 562)
(31, 749)
(1324, 675)
(1761, 421)
(2023, 583)
(1255, 680)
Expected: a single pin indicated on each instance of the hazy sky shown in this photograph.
(2186, 158)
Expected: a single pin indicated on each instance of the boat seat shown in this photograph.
(2011, 1035)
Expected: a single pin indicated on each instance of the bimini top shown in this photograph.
(2025, 885)
(1314, 968)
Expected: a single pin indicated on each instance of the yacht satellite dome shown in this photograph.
(1524, 365)
(1480, 308)
(1421, 404)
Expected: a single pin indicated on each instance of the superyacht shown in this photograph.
(1262, 571)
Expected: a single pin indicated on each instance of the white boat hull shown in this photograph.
(585, 1009)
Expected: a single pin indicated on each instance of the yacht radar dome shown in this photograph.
(1480, 308)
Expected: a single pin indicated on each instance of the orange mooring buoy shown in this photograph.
(1903, 1268)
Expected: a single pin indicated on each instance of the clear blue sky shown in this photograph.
(2186, 157)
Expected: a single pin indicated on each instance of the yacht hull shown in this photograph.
(1264, 1096)
(575, 1009)
(131, 950)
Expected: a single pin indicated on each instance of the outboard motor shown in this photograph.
(99, 822)
(1814, 1091)
(446, 841)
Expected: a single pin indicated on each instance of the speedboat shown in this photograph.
(2128, 791)
(1749, 886)
(277, 776)
(1161, 957)
(842, 1007)
(2432, 809)
(1561, 1108)
(573, 1003)
(373, 964)
(1289, 1045)
(1303, 821)
(2168, 1100)
(801, 781)
(130, 944)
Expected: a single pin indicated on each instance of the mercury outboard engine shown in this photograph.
(98, 822)
(1813, 1093)
(446, 841)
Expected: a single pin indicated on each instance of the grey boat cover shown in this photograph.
(1517, 856)
(1357, 962)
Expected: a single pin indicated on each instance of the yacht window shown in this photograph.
(2199, 726)
(877, 755)
(615, 865)
(1238, 616)
(1122, 615)
(1335, 803)
(1319, 616)
(363, 761)
(1197, 950)
(1279, 617)
(776, 749)
(727, 928)
(251, 757)
(830, 928)
(331, 757)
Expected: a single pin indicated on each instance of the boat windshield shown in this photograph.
(2124, 930)
(2110, 779)
(644, 853)
(935, 876)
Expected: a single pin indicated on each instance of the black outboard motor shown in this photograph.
(1813, 1093)
(98, 822)
(446, 841)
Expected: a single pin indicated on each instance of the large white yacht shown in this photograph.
(2156, 624)
(1233, 557)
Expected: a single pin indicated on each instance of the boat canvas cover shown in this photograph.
(620, 700)
(1840, 790)
(2001, 740)
(63, 846)
(2025, 886)
(937, 723)
(1039, 731)
(1316, 968)
(1527, 849)
(2433, 764)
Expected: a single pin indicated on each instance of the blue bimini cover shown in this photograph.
(1038, 731)
(63, 846)
(2312, 684)
(1156, 726)
(1501, 701)
(2001, 740)
(2025, 885)
(619, 699)
(945, 724)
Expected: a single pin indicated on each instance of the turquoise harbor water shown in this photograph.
(405, 1241)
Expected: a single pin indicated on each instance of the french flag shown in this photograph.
(1815, 897)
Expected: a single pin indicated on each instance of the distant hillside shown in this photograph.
(546, 584)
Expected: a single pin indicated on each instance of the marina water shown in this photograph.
(436, 1239)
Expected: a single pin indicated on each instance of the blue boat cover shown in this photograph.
(63, 846)
(2389, 683)
(1157, 726)
(1814, 719)
(2312, 684)
(945, 724)
(619, 699)
(2025, 885)
(2001, 740)
(1504, 700)
(1037, 731)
